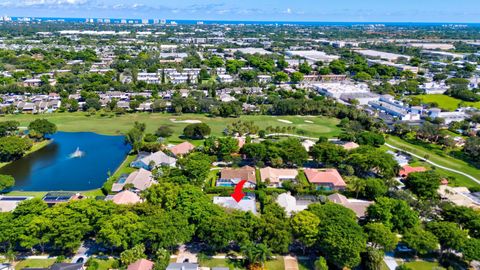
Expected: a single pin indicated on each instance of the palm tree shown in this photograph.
(356, 185)
(255, 254)
(262, 253)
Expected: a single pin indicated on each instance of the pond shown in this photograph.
(75, 161)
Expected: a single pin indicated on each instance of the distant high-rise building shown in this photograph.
(106, 20)
(200, 23)
(173, 23)
(163, 21)
(144, 21)
(123, 21)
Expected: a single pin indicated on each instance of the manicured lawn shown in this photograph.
(105, 264)
(93, 193)
(34, 263)
(35, 194)
(423, 265)
(232, 264)
(113, 125)
(40, 194)
(446, 102)
(446, 161)
(275, 264)
(125, 166)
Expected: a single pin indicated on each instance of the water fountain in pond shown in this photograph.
(77, 154)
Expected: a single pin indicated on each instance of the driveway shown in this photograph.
(291, 263)
(82, 254)
(390, 261)
(186, 255)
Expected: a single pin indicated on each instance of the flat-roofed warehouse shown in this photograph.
(432, 46)
(312, 55)
(392, 57)
(337, 89)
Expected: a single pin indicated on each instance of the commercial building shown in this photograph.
(395, 108)
(443, 55)
(363, 98)
(449, 117)
(337, 89)
(313, 56)
(432, 46)
(399, 67)
(434, 88)
(392, 57)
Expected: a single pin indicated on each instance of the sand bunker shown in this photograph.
(186, 121)
(284, 121)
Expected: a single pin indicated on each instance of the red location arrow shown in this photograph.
(238, 194)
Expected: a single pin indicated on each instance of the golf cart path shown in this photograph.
(435, 164)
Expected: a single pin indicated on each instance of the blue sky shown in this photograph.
(266, 10)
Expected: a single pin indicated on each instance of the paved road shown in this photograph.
(295, 135)
(435, 164)
(290, 135)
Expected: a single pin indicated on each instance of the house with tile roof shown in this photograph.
(357, 206)
(182, 149)
(125, 197)
(141, 180)
(229, 177)
(328, 179)
(349, 145)
(274, 177)
(407, 169)
(149, 161)
(141, 264)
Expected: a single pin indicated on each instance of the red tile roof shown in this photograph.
(126, 197)
(182, 149)
(407, 169)
(327, 176)
(141, 264)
